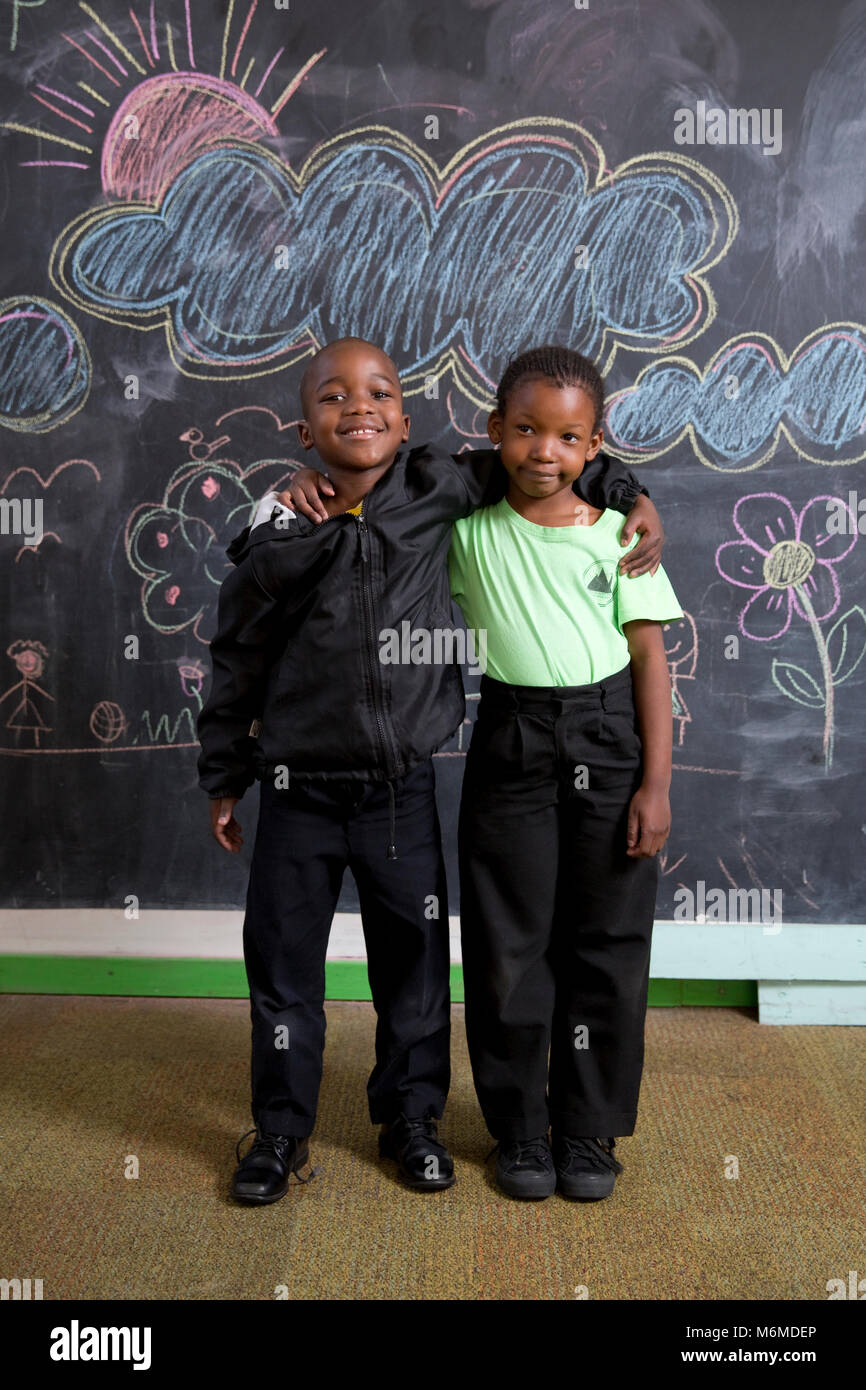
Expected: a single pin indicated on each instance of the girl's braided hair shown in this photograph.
(559, 364)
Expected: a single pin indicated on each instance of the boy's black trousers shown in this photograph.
(556, 919)
(307, 835)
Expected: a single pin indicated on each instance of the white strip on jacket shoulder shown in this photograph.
(269, 509)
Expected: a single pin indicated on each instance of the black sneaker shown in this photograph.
(585, 1167)
(423, 1161)
(524, 1168)
(264, 1173)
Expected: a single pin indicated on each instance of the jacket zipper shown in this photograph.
(375, 673)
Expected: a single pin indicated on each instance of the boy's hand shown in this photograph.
(649, 822)
(224, 827)
(646, 556)
(305, 492)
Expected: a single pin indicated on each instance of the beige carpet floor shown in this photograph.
(87, 1082)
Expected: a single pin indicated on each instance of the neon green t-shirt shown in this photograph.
(551, 598)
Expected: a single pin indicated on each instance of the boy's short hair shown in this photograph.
(304, 389)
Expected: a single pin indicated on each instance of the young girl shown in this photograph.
(565, 796)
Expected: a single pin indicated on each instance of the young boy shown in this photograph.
(342, 744)
(565, 794)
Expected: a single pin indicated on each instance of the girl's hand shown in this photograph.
(305, 492)
(224, 827)
(646, 556)
(649, 822)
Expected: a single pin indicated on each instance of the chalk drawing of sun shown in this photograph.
(165, 115)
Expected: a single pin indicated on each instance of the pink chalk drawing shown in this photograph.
(474, 430)
(192, 679)
(169, 117)
(788, 558)
(196, 441)
(279, 424)
(166, 122)
(26, 717)
(60, 505)
(177, 544)
(107, 721)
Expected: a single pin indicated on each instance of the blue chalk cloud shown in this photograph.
(748, 395)
(44, 365)
(484, 266)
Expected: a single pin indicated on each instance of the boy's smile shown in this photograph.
(353, 408)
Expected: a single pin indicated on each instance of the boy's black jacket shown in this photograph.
(297, 643)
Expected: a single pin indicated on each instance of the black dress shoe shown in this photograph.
(264, 1173)
(423, 1161)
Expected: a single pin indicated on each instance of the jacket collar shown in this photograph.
(297, 525)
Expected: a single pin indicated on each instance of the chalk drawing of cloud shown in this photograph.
(749, 396)
(177, 545)
(44, 365)
(460, 266)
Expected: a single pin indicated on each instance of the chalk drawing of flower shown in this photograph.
(788, 560)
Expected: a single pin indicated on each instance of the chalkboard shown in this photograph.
(197, 193)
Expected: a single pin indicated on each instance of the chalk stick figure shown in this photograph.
(26, 717)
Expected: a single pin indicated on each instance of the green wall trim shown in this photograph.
(174, 978)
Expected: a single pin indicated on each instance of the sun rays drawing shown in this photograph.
(178, 100)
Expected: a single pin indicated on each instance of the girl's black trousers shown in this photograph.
(556, 919)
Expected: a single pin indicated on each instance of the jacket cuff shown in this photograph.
(233, 790)
(628, 494)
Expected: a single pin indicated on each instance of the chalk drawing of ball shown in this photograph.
(44, 365)
(107, 722)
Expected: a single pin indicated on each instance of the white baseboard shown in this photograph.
(812, 1001)
(680, 951)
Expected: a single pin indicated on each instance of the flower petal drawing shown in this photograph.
(813, 529)
(765, 518)
(767, 615)
(741, 563)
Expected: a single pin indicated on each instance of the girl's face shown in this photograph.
(546, 435)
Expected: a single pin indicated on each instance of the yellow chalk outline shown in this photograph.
(783, 361)
(713, 192)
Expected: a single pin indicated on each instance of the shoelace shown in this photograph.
(592, 1149)
(525, 1148)
(270, 1144)
(408, 1131)
(413, 1127)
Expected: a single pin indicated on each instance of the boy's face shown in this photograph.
(354, 408)
(546, 435)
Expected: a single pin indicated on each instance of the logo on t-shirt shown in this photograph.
(600, 581)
